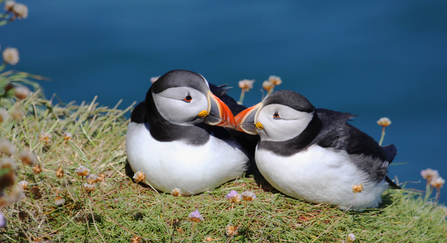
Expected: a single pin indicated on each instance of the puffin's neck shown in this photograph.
(164, 131)
(296, 144)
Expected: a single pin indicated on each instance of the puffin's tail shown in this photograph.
(390, 152)
(392, 184)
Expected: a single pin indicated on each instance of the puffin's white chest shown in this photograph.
(192, 169)
(319, 175)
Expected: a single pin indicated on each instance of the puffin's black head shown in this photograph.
(181, 78)
(291, 99)
(183, 98)
(281, 116)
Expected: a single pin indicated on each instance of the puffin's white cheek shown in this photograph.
(179, 112)
(277, 130)
(282, 130)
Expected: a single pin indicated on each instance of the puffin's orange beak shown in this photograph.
(245, 120)
(219, 114)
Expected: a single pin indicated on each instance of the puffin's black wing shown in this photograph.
(139, 113)
(340, 135)
(365, 152)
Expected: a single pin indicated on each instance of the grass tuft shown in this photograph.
(119, 210)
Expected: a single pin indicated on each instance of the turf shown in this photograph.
(120, 210)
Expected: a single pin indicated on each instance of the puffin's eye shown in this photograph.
(188, 98)
(276, 115)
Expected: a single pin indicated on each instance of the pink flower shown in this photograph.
(233, 196)
(195, 216)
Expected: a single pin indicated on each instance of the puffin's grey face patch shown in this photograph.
(180, 105)
(281, 123)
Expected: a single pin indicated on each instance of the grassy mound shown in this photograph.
(56, 206)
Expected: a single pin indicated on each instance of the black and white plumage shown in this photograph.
(176, 136)
(314, 154)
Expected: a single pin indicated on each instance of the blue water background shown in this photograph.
(373, 59)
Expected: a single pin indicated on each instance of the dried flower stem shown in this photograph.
(192, 231)
(438, 194)
(93, 217)
(428, 191)
(155, 190)
(383, 136)
(241, 99)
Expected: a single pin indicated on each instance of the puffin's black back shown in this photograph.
(337, 133)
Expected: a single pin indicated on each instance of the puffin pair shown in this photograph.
(179, 138)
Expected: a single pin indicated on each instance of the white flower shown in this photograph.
(176, 192)
(4, 116)
(267, 85)
(429, 174)
(27, 157)
(82, 171)
(89, 187)
(9, 5)
(7, 163)
(275, 80)
(23, 184)
(91, 178)
(384, 122)
(11, 56)
(21, 10)
(248, 196)
(7, 147)
(246, 84)
(21, 92)
(350, 238)
(437, 182)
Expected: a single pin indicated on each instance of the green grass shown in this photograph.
(120, 209)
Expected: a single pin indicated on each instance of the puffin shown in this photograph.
(179, 135)
(315, 155)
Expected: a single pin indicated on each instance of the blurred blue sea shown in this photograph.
(373, 59)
